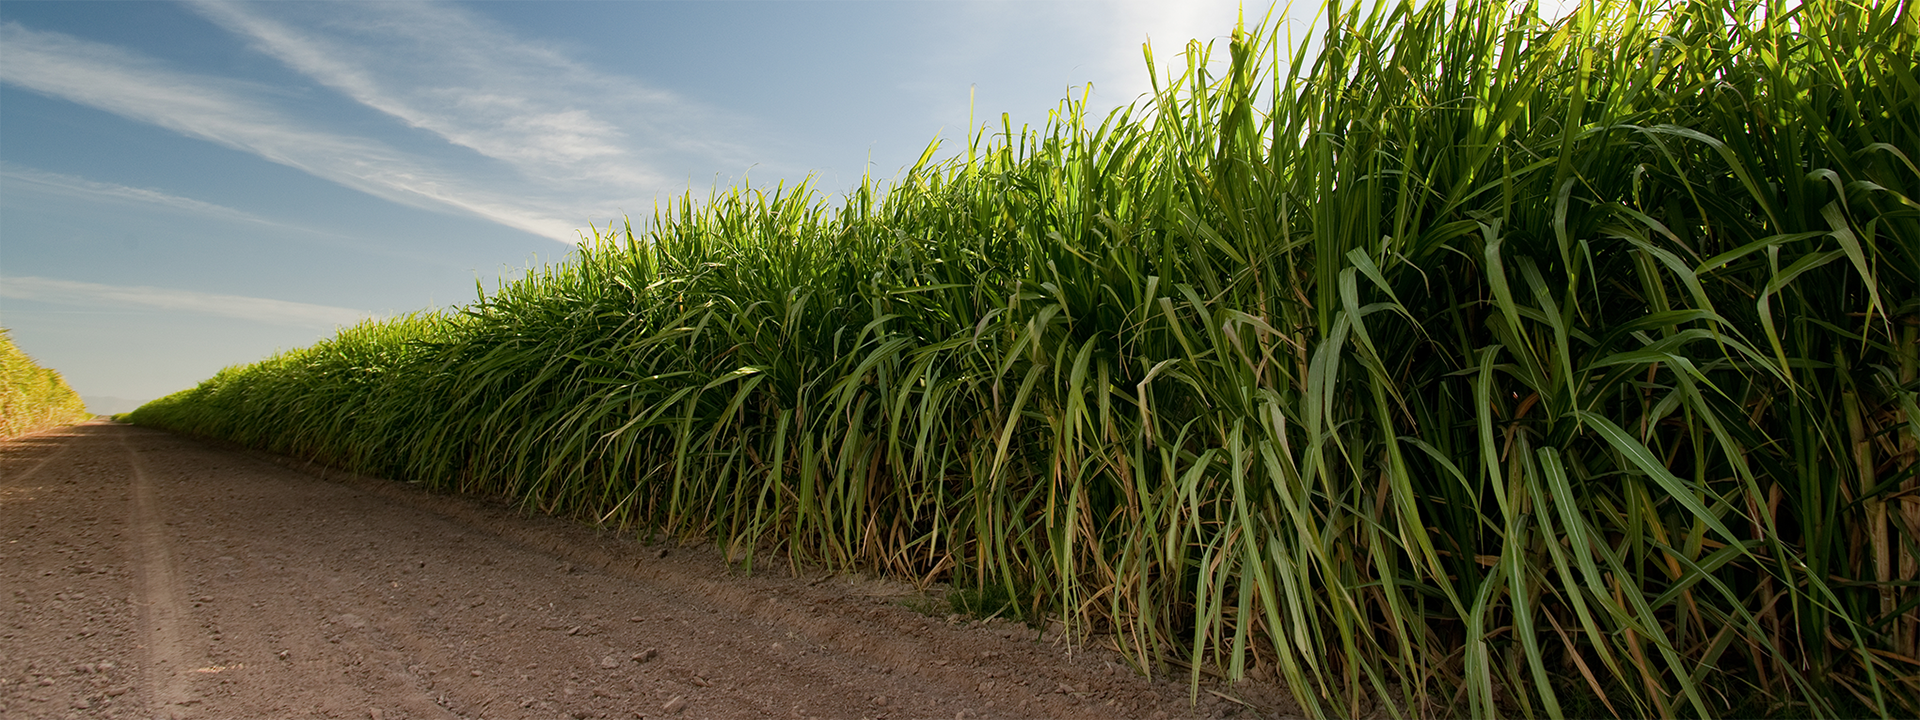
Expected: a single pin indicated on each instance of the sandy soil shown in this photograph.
(144, 574)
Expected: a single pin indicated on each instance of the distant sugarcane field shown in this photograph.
(33, 398)
(1440, 360)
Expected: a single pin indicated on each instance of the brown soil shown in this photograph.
(144, 574)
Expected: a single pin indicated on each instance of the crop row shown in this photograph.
(33, 398)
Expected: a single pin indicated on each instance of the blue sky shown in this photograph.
(187, 186)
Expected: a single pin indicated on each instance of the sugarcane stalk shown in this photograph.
(1875, 509)
(1907, 631)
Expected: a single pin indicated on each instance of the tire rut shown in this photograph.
(159, 604)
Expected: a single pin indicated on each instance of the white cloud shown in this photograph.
(273, 312)
(555, 154)
(71, 186)
(21, 187)
(451, 72)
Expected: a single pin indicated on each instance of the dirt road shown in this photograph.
(145, 575)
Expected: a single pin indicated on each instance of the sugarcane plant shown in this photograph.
(1437, 359)
(33, 398)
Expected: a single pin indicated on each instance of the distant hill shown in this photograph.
(109, 405)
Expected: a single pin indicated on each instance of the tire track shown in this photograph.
(161, 609)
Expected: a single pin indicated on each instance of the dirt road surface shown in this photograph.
(148, 575)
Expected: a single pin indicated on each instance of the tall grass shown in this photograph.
(1455, 363)
(33, 398)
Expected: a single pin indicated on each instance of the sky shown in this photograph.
(188, 186)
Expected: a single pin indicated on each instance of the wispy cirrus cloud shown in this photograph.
(549, 144)
(448, 71)
(603, 141)
(240, 115)
(70, 186)
(21, 188)
(263, 310)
